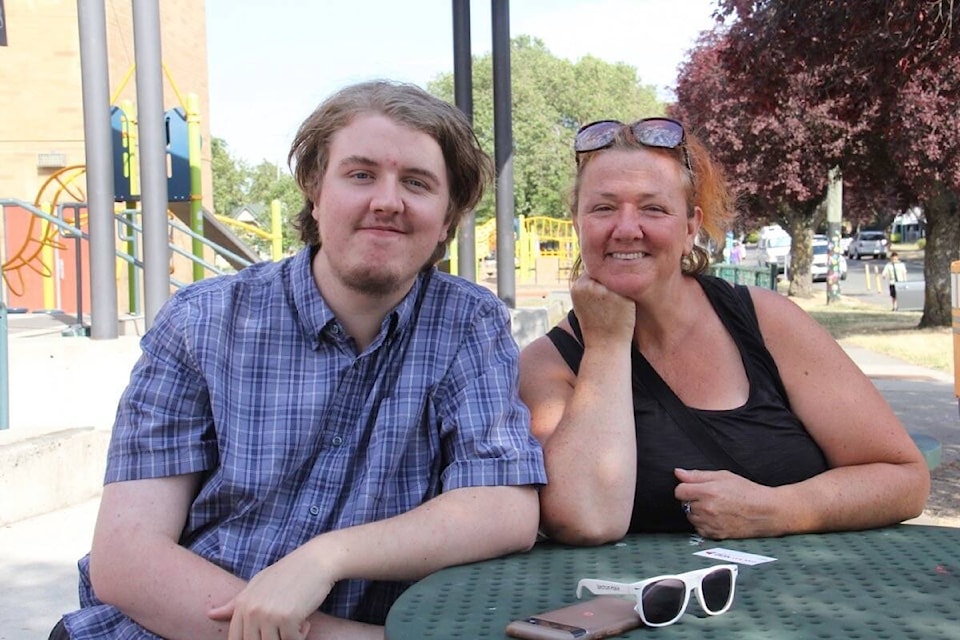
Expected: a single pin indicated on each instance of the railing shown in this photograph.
(741, 274)
(128, 233)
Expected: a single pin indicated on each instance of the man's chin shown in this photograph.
(373, 283)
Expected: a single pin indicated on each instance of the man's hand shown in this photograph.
(277, 601)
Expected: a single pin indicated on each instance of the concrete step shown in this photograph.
(51, 471)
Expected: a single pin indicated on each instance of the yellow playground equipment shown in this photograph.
(545, 249)
(41, 241)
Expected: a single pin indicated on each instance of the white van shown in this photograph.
(773, 247)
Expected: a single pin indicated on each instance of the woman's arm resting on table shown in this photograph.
(877, 475)
(585, 422)
(459, 526)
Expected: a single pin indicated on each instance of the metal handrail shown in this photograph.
(68, 230)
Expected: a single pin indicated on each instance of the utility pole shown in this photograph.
(834, 215)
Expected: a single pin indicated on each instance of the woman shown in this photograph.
(672, 401)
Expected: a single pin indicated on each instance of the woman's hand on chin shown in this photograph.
(603, 314)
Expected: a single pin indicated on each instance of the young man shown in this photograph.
(301, 440)
(894, 272)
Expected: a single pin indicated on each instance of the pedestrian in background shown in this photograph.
(737, 253)
(894, 272)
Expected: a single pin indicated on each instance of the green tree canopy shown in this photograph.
(229, 178)
(552, 97)
(236, 184)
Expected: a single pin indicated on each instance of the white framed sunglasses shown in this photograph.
(662, 600)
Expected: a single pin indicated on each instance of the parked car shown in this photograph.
(821, 262)
(868, 243)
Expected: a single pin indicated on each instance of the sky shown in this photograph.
(271, 63)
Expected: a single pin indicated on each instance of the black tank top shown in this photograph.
(764, 436)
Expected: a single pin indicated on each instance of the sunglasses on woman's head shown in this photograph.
(662, 133)
(662, 600)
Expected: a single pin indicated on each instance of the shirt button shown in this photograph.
(337, 441)
(314, 510)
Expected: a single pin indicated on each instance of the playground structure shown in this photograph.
(43, 249)
(545, 249)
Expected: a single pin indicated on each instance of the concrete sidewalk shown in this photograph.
(38, 569)
(63, 394)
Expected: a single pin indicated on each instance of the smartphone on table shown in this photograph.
(599, 617)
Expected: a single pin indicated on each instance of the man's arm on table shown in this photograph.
(459, 526)
(137, 566)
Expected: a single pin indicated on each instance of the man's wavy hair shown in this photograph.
(705, 186)
(469, 169)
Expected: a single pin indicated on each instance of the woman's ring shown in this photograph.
(687, 509)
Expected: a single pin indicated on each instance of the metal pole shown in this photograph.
(91, 20)
(132, 205)
(503, 151)
(153, 156)
(276, 230)
(463, 96)
(196, 185)
(834, 214)
(78, 266)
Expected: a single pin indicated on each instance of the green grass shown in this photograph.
(878, 329)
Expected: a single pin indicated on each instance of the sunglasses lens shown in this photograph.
(659, 133)
(662, 601)
(717, 588)
(596, 136)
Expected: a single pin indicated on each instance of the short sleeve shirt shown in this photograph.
(252, 381)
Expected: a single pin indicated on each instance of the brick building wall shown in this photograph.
(41, 108)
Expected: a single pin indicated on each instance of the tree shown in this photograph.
(898, 95)
(229, 178)
(777, 153)
(923, 142)
(269, 182)
(552, 98)
(235, 184)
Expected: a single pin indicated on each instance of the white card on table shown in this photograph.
(732, 555)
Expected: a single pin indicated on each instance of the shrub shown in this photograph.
(921, 243)
(895, 238)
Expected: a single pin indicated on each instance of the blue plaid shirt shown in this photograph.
(251, 380)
